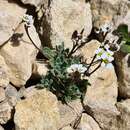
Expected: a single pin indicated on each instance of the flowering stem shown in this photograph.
(87, 71)
(96, 68)
(72, 50)
(26, 28)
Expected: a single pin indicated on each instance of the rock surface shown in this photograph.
(10, 15)
(108, 11)
(39, 69)
(5, 112)
(67, 128)
(124, 118)
(70, 112)
(38, 112)
(12, 95)
(123, 69)
(36, 3)
(1, 128)
(4, 73)
(19, 54)
(101, 96)
(63, 18)
(2, 94)
(88, 123)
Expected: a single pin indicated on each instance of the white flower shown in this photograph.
(28, 19)
(99, 50)
(106, 56)
(110, 52)
(110, 58)
(76, 67)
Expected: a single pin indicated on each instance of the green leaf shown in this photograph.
(125, 48)
(48, 53)
(123, 29)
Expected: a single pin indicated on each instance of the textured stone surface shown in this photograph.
(64, 17)
(69, 113)
(124, 118)
(12, 95)
(2, 94)
(36, 3)
(67, 128)
(123, 69)
(39, 69)
(19, 54)
(10, 17)
(1, 128)
(108, 11)
(38, 112)
(5, 112)
(101, 96)
(88, 123)
(4, 73)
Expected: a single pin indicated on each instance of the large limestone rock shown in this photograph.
(12, 95)
(4, 73)
(125, 20)
(36, 3)
(1, 128)
(108, 11)
(63, 18)
(10, 17)
(88, 123)
(101, 96)
(19, 54)
(69, 113)
(123, 72)
(37, 112)
(2, 94)
(39, 69)
(124, 118)
(5, 112)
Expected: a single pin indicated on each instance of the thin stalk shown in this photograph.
(26, 29)
(95, 69)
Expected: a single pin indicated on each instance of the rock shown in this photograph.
(12, 95)
(101, 96)
(106, 116)
(63, 18)
(36, 3)
(4, 70)
(124, 119)
(29, 91)
(87, 51)
(69, 113)
(67, 128)
(39, 69)
(88, 123)
(10, 15)
(5, 112)
(123, 69)
(1, 128)
(37, 112)
(103, 87)
(2, 94)
(108, 11)
(19, 54)
(125, 20)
